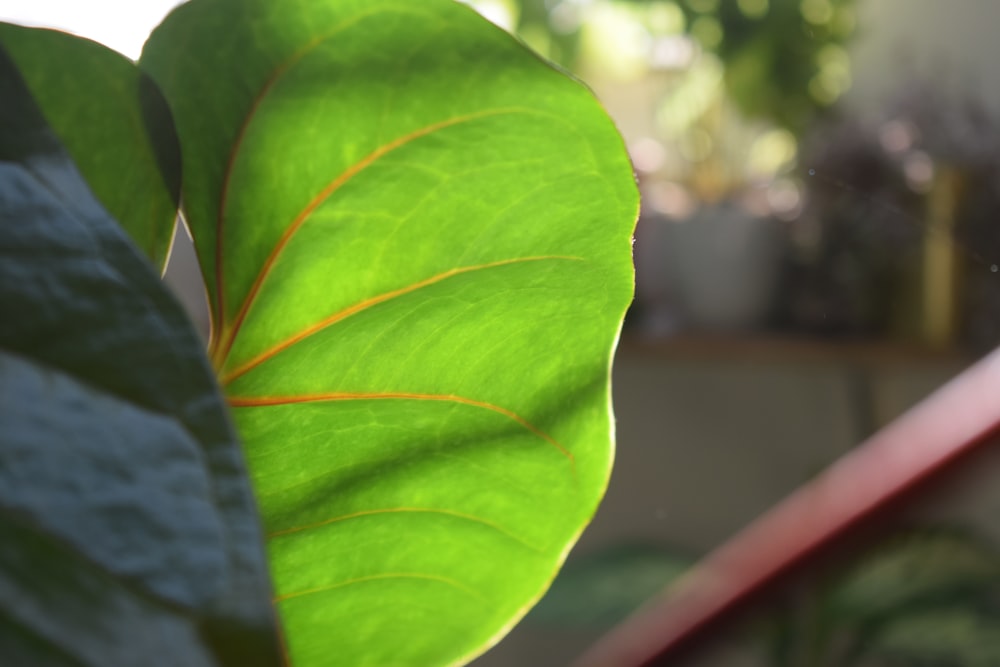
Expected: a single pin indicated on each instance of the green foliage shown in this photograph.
(783, 59)
(113, 122)
(128, 534)
(415, 238)
(922, 596)
(956, 637)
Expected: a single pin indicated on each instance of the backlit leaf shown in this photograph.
(416, 240)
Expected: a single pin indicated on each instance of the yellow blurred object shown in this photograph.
(940, 261)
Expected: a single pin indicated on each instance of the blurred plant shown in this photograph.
(856, 259)
(736, 80)
(781, 59)
(922, 596)
(855, 238)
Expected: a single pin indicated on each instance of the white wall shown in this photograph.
(955, 42)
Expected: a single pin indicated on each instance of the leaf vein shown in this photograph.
(371, 302)
(382, 577)
(271, 401)
(229, 333)
(237, 147)
(406, 510)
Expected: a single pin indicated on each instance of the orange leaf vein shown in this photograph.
(369, 303)
(268, 401)
(325, 194)
(380, 577)
(405, 510)
(272, 80)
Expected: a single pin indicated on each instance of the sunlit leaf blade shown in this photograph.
(128, 534)
(114, 123)
(416, 237)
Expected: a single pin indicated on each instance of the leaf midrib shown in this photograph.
(270, 82)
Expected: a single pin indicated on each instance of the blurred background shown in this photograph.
(818, 250)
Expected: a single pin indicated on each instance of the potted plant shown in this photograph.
(896, 240)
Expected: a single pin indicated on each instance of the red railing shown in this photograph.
(946, 427)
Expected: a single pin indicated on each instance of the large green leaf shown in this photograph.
(416, 240)
(128, 534)
(114, 123)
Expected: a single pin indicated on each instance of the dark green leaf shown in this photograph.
(113, 122)
(127, 530)
(416, 237)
